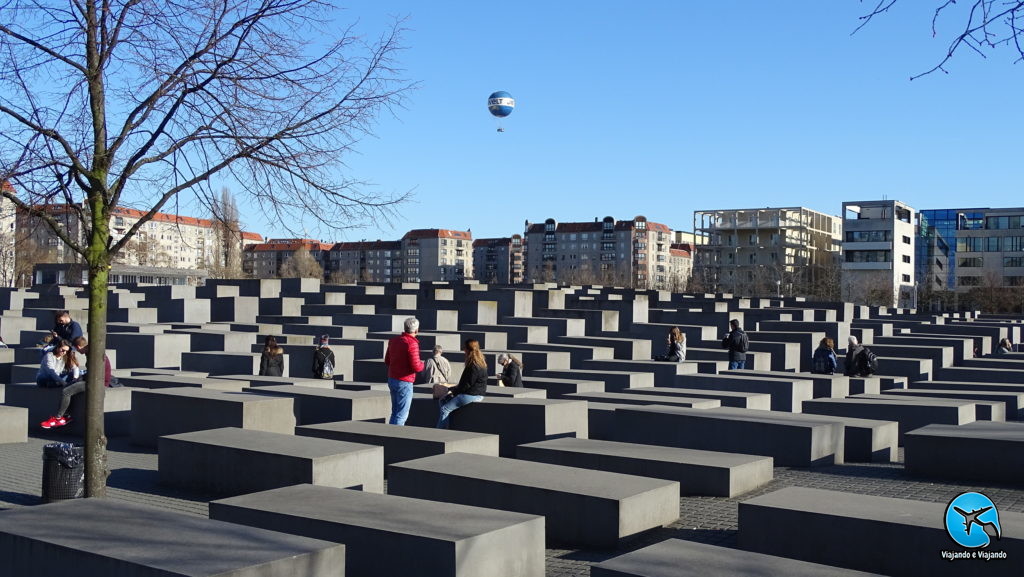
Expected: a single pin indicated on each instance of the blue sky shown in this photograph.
(661, 108)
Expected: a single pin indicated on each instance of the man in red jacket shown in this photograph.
(403, 362)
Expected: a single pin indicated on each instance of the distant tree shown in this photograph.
(341, 277)
(301, 265)
(225, 260)
(984, 25)
(108, 104)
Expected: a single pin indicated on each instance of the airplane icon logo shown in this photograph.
(965, 512)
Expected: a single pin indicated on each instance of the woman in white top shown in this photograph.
(58, 367)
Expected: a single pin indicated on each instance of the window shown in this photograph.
(869, 236)
(1012, 261)
(1002, 222)
(978, 244)
(868, 256)
(906, 258)
(1013, 243)
(971, 262)
(969, 281)
(906, 239)
(906, 278)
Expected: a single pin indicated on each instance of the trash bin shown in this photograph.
(63, 472)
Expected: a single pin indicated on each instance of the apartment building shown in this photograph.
(264, 260)
(878, 253)
(374, 261)
(626, 252)
(499, 260)
(764, 251)
(962, 248)
(166, 240)
(437, 254)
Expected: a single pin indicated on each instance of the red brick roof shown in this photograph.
(288, 245)
(437, 233)
(251, 236)
(367, 245)
(162, 217)
(489, 241)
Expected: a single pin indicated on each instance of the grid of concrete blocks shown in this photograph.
(602, 445)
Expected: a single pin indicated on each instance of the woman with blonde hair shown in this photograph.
(472, 386)
(676, 349)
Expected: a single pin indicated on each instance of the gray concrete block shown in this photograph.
(13, 424)
(217, 340)
(103, 537)
(318, 405)
(698, 472)
(160, 412)
(678, 558)
(979, 451)
(389, 535)
(649, 399)
(515, 421)
(141, 350)
(985, 409)
(405, 443)
(613, 380)
(825, 386)
(909, 413)
(556, 388)
(580, 507)
(865, 385)
(786, 395)
(808, 524)
(1012, 401)
(791, 441)
(258, 381)
(170, 381)
(224, 363)
(232, 461)
(739, 400)
(42, 403)
(623, 348)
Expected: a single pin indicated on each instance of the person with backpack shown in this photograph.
(737, 343)
(403, 362)
(511, 372)
(323, 359)
(675, 351)
(437, 370)
(825, 360)
(860, 361)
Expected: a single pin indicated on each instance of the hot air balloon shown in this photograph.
(500, 104)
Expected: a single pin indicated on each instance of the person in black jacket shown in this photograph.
(472, 386)
(512, 374)
(737, 343)
(272, 359)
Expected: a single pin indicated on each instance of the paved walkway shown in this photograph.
(705, 519)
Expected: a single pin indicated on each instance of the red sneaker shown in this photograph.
(49, 423)
(61, 421)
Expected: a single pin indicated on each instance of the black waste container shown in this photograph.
(63, 472)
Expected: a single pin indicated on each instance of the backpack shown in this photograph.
(868, 362)
(744, 343)
(323, 368)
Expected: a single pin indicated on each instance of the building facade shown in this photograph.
(878, 253)
(437, 254)
(499, 260)
(165, 241)
(626, 252)
(374, 261)
(765, 251)
(264, 260)
(963, 248)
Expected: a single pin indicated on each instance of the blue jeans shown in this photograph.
(401, 400)
(737, 364)
(454, 403)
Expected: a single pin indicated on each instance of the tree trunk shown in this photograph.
(95, 436)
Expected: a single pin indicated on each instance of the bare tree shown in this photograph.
(225, 261)
(985, 25)
(133, 103)
(301, 265)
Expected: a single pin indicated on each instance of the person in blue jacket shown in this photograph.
(65, 328)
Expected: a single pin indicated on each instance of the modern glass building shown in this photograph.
(962, 248)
